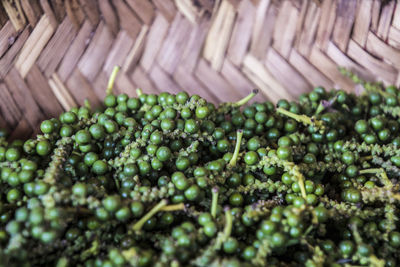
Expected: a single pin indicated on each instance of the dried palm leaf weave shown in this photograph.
(55, 54)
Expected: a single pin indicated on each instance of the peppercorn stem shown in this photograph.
(366, 158)
(117, 185)
(355, 233)
(320, 108)
(62, 262)
(239, 135)
(375, 262)
(302, 187)
(228, 223)
(87, 104)
(90, 251)
(137, 226)
(357, 237)
(323, 104)
(302, 118)
(175, 207)
(294, 170)
(214, 202)
(130, 254)
(308, 230)
(372, 171)
(369, 87)
(246, 99)
(112, 80)
(139, 92)
(385, 179)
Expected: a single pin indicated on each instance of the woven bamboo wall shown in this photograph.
(54, 54)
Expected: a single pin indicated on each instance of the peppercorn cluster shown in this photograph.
(173, 180)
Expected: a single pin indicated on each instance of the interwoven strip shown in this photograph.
(54, 54)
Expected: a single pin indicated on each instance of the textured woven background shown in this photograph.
(55, 54)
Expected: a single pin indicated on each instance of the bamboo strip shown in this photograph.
(34, 45)
(64, 51)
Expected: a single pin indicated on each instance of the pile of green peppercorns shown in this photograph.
(172, 180)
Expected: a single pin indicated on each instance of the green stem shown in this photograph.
(117, 185)
(300, 179)
(131, 255)
(376, 262)
(93, 250)
(320, 108)
(139, 92)
(293, 169)
(371, 171)
(62, 262)
(228, 223)
(385, 179)
(87, 104)
(369, 87)
(137, 226)
(302, 118)
(357, 237)
(112, 80)
(239, 135)
(246, 99)
(355, 233)
(214, 202)
(174, 207)
(366, 158)
(308, 230)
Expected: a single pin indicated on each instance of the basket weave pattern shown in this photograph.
(55, 54)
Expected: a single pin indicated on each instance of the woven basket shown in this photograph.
(55, 54)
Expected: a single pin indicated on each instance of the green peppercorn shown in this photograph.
(47, 127)
(43, 148)
(99, 167)
(251, 158)
(210, 229)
